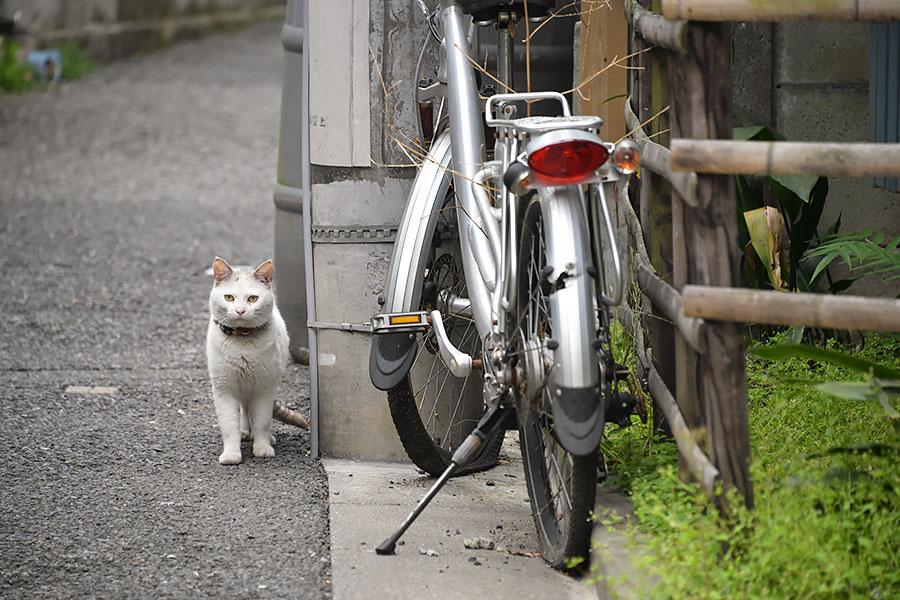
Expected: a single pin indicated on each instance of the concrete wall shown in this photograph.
(811, 82)
(348, 194)
(111, 29)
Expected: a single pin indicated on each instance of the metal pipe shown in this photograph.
(616, 298)
(467, 145)
(306, 182)
(480, 193)
(505, 57)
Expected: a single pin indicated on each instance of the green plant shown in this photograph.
(864, 251)
(75, 61)
(775, 238)
(826, 485)
(14, 76)
(881, 383)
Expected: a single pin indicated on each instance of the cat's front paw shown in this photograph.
(230, 458)
(263, 450)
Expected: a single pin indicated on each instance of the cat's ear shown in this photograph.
(265, 272)
(221, 270)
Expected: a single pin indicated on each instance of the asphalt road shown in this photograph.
(116, 192)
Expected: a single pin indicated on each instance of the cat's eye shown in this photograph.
(252, 298)
(229, 297)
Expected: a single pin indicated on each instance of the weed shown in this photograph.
(825, 523)
(75, 61)
(18, 77)
(14, 76)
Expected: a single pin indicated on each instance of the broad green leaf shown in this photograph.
(859, 253)
(823, 264)
(849, 390)
(747, 133)
(884, 399)
(766, 229)
(860, 365)
(804, 229)
(800, 185)
(795, 334)
(760, 133)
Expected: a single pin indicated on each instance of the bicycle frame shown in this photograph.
(488, 250)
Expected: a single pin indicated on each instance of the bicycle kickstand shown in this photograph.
(492, 421)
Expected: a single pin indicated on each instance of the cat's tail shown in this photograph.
(291, 417)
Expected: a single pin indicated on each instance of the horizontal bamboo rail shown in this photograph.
(655, 28)
(782, 10)
(699, 465)
(785, 158)
(657, 158)
(782, 308)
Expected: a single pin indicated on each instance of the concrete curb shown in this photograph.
(612, 550)
(112, 41)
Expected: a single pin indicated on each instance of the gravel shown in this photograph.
(117, 192)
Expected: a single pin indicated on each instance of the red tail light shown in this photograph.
(569, 162)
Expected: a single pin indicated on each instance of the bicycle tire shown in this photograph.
(414, 402)
(561, 487)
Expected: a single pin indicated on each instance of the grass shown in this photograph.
(824, 525)
(14, 76)
(76, 62)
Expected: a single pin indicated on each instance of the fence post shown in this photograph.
(701, 108)
(652, 95)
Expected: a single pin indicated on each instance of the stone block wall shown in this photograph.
(810, 81)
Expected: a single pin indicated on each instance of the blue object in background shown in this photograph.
(47, 64)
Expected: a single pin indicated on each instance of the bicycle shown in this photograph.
(495, 311)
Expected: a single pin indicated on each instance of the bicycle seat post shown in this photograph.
(506, 31)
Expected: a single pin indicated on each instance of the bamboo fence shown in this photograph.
(684, 321)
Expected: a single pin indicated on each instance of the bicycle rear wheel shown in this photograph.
(432, 410)
(562, 487)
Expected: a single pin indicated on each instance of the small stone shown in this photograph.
(428, 552)
(478, 544)
(490, 483)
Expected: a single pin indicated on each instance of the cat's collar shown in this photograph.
(238, 331)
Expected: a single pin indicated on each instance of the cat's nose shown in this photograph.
(240, 311)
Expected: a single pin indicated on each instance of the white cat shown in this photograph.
(246, 350)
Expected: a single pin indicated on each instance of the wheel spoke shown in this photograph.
(427, 402)
(467, 334)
